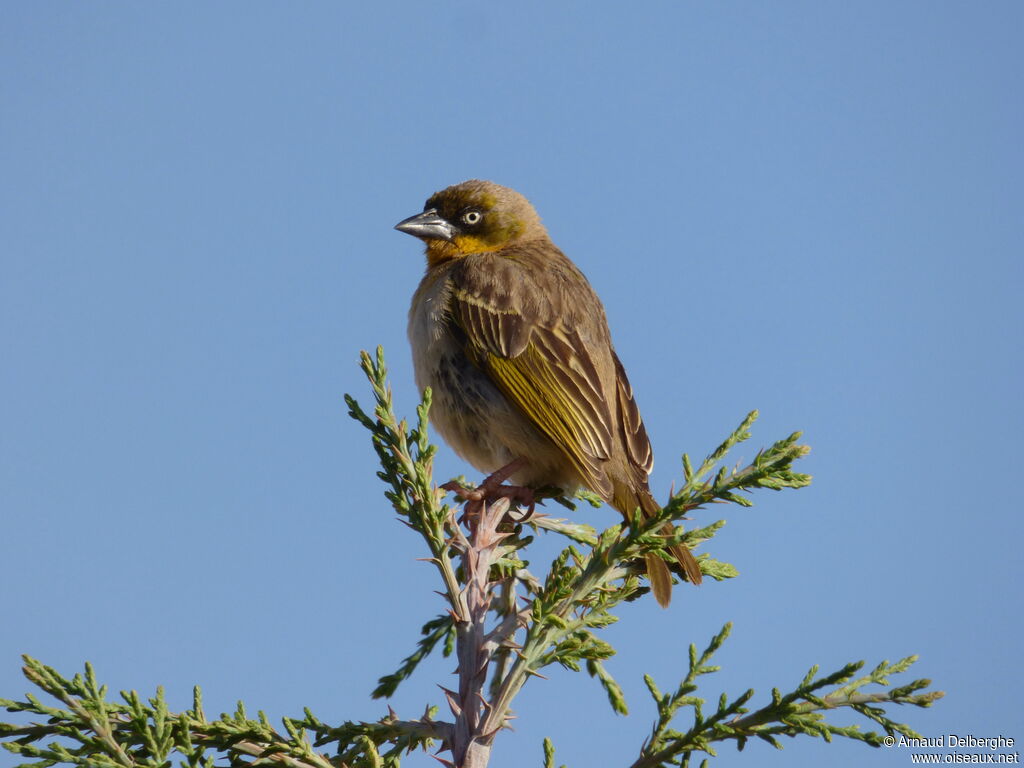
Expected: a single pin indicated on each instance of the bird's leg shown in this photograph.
(492, 488)
(519, 495)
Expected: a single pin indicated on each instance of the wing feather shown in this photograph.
(540, 364)
(638, 445)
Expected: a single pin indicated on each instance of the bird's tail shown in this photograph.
(627, 498)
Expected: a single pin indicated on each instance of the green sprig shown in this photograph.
(800, 712)
(533, 622)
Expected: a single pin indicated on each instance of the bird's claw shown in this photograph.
(493, 488)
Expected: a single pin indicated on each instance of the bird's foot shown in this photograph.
(493, 488)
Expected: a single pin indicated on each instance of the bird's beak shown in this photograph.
(427, 226)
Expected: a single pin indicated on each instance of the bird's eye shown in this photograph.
(472, 217)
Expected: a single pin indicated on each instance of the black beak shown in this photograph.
(427, 226)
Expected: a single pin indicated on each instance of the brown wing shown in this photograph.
(519, 329)
(634, 434)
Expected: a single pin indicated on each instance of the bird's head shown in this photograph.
(472, 217)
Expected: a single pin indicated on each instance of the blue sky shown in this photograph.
(814, 209)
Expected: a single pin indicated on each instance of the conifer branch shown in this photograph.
(504, 624)
(799, 712)
(92, 730)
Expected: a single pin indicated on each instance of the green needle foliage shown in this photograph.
(503, 623)
(87, 728)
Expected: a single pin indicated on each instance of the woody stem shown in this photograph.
(471, 746)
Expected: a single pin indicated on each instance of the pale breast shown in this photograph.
(428, 317)
(468, 410)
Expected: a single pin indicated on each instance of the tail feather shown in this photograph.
(686, 559)
(626, 500)
(660, 578)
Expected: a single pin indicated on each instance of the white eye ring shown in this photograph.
(472, 217)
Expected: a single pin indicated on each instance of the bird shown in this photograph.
(514, 343)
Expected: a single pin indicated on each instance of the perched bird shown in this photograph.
(514, 343)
